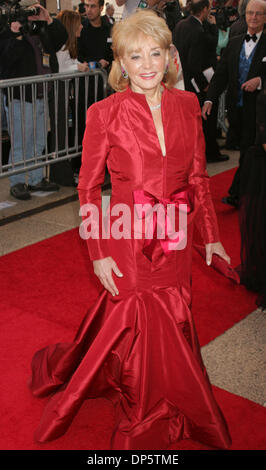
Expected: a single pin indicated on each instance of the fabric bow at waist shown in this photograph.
(182, 199)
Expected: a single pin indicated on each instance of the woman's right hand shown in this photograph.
(83, 67)
(103, 270)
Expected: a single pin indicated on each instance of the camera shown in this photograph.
(223, 15)
(11, 11)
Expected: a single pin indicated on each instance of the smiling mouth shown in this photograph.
(147, 76)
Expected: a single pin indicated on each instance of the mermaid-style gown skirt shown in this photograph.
(140, 350)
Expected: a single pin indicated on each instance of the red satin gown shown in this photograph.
(139, 349)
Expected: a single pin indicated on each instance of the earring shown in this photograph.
(166, 69)
(124, 73)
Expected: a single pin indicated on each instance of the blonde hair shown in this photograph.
(127, 35)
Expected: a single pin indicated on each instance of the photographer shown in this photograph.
(168, 9)
(240, 25)
(225, 14)
(29, 48)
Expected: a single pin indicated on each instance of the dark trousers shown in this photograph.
(61, 172)
(87, 90)
(210, 129)
(210, 133)
(245, 129)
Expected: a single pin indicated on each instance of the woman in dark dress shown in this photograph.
(253, 209)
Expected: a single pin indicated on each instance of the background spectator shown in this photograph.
(82, 8)
(169, 10)
(240, 71)
(94, 43)
(67, 55)
(109, 14)
(22, 55)
(252, 209)
(94, 46)
(61, 172)
(240, 25)
(196, 39)
(130, 6)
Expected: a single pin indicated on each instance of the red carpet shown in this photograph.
(43, 298)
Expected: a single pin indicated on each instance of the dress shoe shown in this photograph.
(231, 200)
(218, 158)
(20, 191)
(44, 185)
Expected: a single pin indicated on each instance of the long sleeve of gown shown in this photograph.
(91, 178)
(206, 220)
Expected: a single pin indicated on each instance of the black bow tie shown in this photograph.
(253, 37)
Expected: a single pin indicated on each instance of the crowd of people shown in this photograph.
(64, 44)
(200, 34)
(155, 139)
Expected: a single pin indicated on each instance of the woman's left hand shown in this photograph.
(218, 249)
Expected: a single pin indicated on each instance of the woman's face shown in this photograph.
(79, 28)
(145, 65)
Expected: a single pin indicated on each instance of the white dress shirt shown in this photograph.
(250, 45)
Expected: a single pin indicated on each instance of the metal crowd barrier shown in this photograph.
(79, 89)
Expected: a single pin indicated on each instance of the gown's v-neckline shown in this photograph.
(163, 153)
(163, 150)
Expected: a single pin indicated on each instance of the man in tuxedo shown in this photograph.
(109, 14)
(196, 45)
(241, 71)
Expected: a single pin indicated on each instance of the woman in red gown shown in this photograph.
(137, 346)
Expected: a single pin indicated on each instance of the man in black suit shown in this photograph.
(94, 43)
(237, 28)
(241, 71)
(188, 37)
(196, 45)
(94, 46)
(109, 14)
